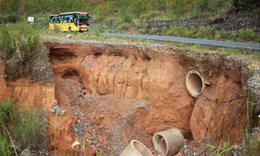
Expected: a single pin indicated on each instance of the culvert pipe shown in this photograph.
(136, 148)
(194, 83)
(168, 142)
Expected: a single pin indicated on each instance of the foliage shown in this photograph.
(222, 149)
(137, 8)
(122, 27)
(246, 34)
(126, 17)
(150, 16)
(221, 35)
(28, 130)
(209, 7)
(205, 32)
(251, 144)
(154, 31)
(5, 111)
(20, 41)
(5, 118)
(4, 150)
(243, 35)
(9, 18)
(21, 128)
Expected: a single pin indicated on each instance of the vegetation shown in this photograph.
(19, 129)
(221, 150)
(120, 15)
(19, 41)
(145, 9)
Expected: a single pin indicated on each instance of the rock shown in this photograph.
(68, 36)
(215, 111)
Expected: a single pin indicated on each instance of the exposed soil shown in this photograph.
(105, 95)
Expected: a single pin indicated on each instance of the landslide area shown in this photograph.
(106, 95)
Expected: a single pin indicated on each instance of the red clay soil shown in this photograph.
(4, 92)
(114, 93)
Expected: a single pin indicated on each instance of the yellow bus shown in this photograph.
(70, 21)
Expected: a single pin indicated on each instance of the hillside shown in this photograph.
(227, 20)
(146, 9)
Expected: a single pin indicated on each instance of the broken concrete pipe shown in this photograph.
(136, 148)
(168, 142)
(194, 83)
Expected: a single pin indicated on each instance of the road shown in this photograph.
(211, 43)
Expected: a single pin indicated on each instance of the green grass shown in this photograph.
(121, 14)
(21, 128)
(146, 10)
(204, 32)
(19, 41)
(222, 149)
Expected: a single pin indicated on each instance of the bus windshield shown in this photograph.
(83, 19)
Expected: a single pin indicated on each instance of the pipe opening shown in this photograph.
(194, 83)
(142, 149)
(160, 144)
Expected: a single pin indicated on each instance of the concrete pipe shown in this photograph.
(168, 142)
(194, 83)
(136, 148)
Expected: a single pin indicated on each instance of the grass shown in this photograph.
(222, 149)
(19, 129)
(251, 144)
(204, 32)
(19, 41)
(118, 16)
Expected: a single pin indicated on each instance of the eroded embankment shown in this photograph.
(107, 95)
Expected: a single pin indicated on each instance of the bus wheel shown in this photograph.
(69, 30)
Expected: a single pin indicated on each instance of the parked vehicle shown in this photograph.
(70, 21)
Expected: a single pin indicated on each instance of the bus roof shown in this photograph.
(75, 12)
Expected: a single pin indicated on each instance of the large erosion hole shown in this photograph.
(71, 74)
(61, 55)
(127, 96)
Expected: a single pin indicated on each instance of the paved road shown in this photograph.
(212, 43)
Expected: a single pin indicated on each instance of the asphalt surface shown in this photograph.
(210, 43)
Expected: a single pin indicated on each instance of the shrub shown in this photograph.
(149, 16)
(4, 150)
(191, 32)
(24, 129)
(98, 28)
(205, 32)
(5, 111)
(178, 8)
(6, 114)
(122, 27)
(20, 41)
(126, 17)
(10, 18)
(221, 35)
(143, 30)
(209, 7)
(154, 31)
(163, 31)
(28, 130)
(246, 34)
